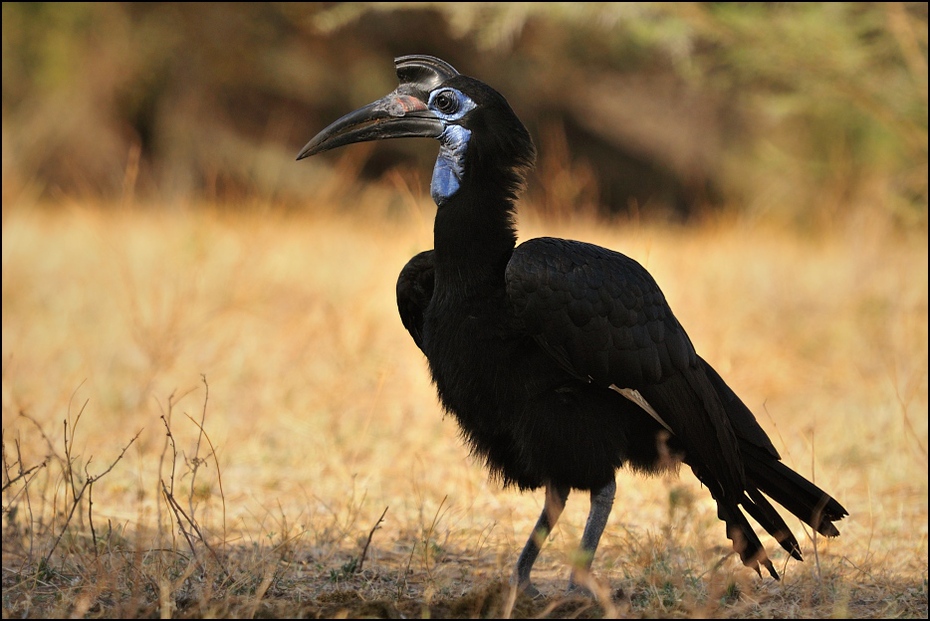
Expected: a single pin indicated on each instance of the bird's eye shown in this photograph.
(446, 102)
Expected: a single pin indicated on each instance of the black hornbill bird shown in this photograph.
(561, 360)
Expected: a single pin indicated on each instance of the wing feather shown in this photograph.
(604, 319)
(414, 292)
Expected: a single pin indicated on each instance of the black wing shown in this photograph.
(602, 316)
(414, 292)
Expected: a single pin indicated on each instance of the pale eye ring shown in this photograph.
(446, 102)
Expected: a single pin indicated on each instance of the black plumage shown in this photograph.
(561, 360)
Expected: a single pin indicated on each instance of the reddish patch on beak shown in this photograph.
(404, 104)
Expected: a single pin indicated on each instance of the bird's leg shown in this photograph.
(555, 503)
(602, 500)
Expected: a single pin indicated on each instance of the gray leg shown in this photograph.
(555, 502)
(602, 500)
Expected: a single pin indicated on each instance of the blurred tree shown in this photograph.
(804, 110)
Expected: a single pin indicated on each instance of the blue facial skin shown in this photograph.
(447, 174)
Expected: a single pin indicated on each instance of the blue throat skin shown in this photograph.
(450, 165)
(453, 143)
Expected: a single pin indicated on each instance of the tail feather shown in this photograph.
(802, 498)
(765, 472)
(745, 541)
(796, 494)
(765, 514)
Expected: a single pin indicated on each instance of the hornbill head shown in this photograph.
(476, 127)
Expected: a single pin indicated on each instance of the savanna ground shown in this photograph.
(219, 414)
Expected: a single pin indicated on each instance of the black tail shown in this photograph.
(740, 531)
(766, 473)
(802, 498)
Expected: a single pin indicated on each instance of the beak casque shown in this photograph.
(402, 114)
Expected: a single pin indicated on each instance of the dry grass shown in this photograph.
(320, 417)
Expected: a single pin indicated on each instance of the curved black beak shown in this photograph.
(395, 116)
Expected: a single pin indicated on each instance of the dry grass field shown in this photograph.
(208, 414)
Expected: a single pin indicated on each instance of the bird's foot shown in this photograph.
(577, 590)
(582, 583)
(528, 588)
(599, 591)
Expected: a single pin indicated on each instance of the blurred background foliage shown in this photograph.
(803, 111)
